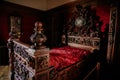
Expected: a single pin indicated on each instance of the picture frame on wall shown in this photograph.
(15, 26)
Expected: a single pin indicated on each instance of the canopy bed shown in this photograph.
(76, 60)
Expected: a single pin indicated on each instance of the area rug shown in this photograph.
(4, 73)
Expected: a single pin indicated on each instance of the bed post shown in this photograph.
(11, 58)
(13, 36)
(26, 62)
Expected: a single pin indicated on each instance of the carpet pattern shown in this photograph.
(4, 73)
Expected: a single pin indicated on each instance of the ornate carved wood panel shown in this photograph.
(112, 34)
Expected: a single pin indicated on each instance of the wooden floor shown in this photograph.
(4, 73)
(106, 73)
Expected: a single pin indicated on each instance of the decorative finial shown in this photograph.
(38, 38)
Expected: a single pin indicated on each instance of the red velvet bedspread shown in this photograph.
(65, 56)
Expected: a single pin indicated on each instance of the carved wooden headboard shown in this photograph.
(79, 41)
(83, 28)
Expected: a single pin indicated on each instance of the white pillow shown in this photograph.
(90, 48)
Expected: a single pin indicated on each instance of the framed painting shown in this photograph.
(15, 26)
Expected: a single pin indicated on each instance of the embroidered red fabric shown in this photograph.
(65, 56)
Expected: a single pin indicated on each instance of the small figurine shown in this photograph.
(38, 38)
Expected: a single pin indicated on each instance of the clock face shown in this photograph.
(79, 21)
